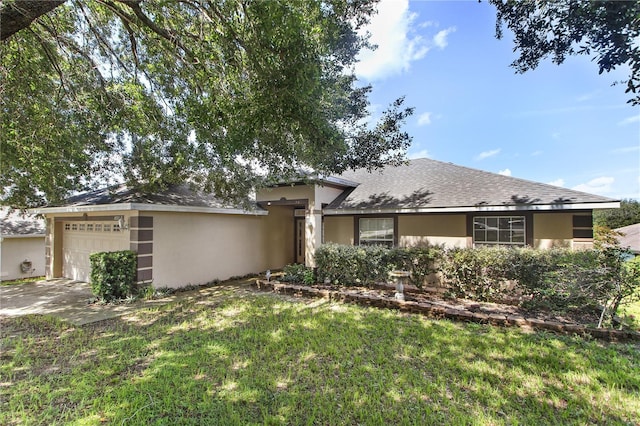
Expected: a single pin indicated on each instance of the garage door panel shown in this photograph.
(79, 242)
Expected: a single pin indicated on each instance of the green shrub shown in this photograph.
(352, 265)
(561, 280)
(365, 265)
(298, 273)
(478, 273)
(419, 261)
(571, 280)
(113, 274)
(557, 279)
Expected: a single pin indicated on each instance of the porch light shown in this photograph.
(121, 222)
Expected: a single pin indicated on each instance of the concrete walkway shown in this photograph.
(69, 300)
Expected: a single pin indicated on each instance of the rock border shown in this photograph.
(436, 311)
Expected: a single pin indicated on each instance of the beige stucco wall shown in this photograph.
(196, 248)
(449, 230)
(296, 192)
(552, 230)
(15, 250)
(326, 194)
(413, 230)
(278, 242)
(315, 196)
(338, 229)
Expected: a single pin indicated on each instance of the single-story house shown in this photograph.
(21, 245)
(185, 237)
(630, 238)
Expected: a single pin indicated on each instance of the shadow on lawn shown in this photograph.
(261, 359)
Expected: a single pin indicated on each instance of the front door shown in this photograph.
(300, 240)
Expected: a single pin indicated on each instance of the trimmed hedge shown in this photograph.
(555, 279)
(541, 276)
(365, 265)
(113, 274)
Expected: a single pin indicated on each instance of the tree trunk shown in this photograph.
(18, 15)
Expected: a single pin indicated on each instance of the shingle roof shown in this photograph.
(426, 184)
(630, 237)
(174, 195)
(16, 223)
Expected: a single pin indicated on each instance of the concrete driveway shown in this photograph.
(69, 300)
(63, 298)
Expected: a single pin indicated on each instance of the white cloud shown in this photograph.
(420, 154)
(588, 96)
(440, 39)
(600, 185)
(629, 120)
(428, 24)
(626, 149)
(487, 154)
(394, 31)
(557, 182)
(505, 172)
(536, 153)
(424, 119)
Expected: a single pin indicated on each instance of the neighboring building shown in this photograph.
(183, 237)
(630, 238)
(21, 245)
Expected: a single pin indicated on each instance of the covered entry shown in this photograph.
(81, 238)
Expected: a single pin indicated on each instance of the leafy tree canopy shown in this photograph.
(608, 30)
(627, 214)
(228, 94)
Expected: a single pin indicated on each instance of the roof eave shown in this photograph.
(147, 207)
(319, 180)
(474, 209)
(15, 236)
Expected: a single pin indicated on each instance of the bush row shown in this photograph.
(365, 265)
(558, 278)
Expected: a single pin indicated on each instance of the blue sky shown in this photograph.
(564, 125)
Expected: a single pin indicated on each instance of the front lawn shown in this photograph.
(264, 360)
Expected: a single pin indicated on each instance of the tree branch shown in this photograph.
(168, 35)
(126, 20)
(102, 42)
(64, 41)
(51, 57)
(18, 15)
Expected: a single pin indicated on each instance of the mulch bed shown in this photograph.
(431, 302)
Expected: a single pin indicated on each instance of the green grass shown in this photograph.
(264, 360)
(22, 281)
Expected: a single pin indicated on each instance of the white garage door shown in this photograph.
(80, 239)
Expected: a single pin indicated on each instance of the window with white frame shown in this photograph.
(376, 231)
(499, 230)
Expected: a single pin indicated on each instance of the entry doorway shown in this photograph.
(300, 240)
